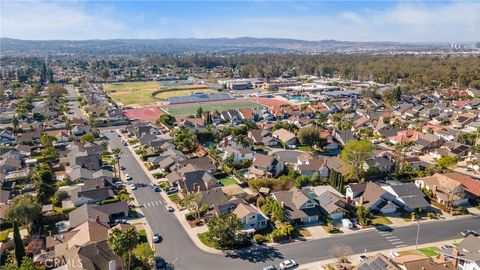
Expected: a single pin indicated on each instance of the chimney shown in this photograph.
(282, 204)
(455, 257)
(199, 188)
(97, 218)
(112, 265)
(361, 200)
(225, 142)
(434, 191)
(195, 186)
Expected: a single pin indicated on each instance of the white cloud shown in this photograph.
(406, 21)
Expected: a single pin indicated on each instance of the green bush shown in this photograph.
(259, 238)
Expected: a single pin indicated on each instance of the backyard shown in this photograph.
(227, 181)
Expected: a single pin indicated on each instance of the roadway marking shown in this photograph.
(399, 242)
(399, 246)
(388, 237)
(394, 239)
(153, 203)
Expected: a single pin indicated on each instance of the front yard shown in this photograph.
(379, 220)
(227, 181)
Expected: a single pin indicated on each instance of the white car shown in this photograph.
(394, 254)
(169, 208)
(133, 186)
(128, 177)
(288, 264)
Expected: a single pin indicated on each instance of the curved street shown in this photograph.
(181, 253)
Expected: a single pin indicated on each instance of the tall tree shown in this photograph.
(122, 243)
(24, 210)
(44, 182)
(309, 136)
(242, 140)
(355, 153)
(145, 255)
(193, 202)
(223, 230)
(18, 244)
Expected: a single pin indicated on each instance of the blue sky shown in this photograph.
(407, 21)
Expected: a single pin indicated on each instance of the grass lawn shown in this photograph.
(408, 252)
(191, 109)
(381, 221)
(133, 93)
(183, 92)
(429, 251)
(205, 239)
(174, 197)
(227, 181)
(4, 234)
(143, 236)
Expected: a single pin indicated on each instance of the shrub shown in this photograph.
(259, 238)
(431, 215)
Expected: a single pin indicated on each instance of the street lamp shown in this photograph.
(418, 233)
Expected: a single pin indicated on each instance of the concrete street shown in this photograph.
(73, 103)
(179, 250)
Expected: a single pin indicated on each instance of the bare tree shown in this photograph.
(340, 252)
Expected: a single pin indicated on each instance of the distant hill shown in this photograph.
(176, 46)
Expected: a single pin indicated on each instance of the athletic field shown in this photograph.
(149, 93)
(191, 109)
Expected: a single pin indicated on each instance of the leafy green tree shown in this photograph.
(309, 136)
(24, 210)
(199, 112)
(223, 230)
(145, 255)
(193, 202)
(185, 139)
(301, 181)
(18, 244)
(446, 162)
(122, 243)
(44, 182)
(355, 153)
(87, 138)
(167, 120)
(242, 140)
(58, 197)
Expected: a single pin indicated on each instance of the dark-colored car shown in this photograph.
(159, 262)
(157, 238)
(469, 232)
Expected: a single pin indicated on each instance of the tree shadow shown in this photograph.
(257, 254)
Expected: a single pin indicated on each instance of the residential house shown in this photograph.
(288, 138)
(378, 262)
(407, 196)
(189, 179)
(464, 257)
(298, 206)
(343, 136)
(238, 154)
(449, 187)
(310, 166)
(252, 218)
(332, 203)
(381, 163)
(263, 137)
(265, 166)
(371, 196)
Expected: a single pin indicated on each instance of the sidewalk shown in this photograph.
(354, 259)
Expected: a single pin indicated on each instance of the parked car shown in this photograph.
(446, 246)
(362, 258)
(288, 264)
(133, 186)
(169, 208)
(393, 254)
(117, 185)
(159, 262)
(120, 221)
(469, 232)
(157, 238)
(172, 190)
(128, 177)
(270, 267)
(122, 168)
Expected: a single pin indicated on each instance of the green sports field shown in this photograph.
(191, 109)
(149, 93)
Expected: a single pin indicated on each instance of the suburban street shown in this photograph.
(179, 250)
(73, 102)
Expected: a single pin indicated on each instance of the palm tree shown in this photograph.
(122, 243)
(116, 165)
(242, 140)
